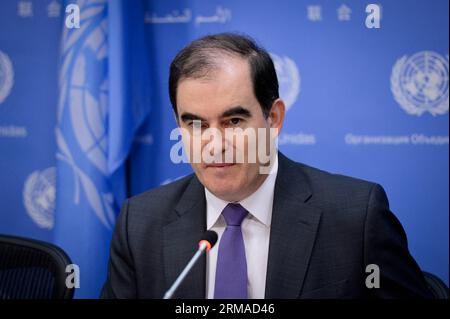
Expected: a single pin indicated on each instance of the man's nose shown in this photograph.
(216, 142)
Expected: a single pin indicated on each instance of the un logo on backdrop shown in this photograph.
(288, 79)
(39, 197)
(420, 83)
(88, 101)
(85, 97)
(6, 76)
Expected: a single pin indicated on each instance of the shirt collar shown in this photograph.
(259, 204)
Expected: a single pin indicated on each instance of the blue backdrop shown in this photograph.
(85, 116)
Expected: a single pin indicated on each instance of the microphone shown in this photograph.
(207, 241)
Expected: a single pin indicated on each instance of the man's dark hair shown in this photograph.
(203, 56)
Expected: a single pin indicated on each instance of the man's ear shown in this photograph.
(276, 115)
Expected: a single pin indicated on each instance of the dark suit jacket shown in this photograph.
(325, 230)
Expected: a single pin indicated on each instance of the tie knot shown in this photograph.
(234, 214)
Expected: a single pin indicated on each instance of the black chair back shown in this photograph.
(32, 269)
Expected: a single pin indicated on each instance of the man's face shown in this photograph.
(224, 99)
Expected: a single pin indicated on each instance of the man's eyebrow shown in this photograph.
(237, 110)
(190, 117)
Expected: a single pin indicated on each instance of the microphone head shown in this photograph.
(209, 238)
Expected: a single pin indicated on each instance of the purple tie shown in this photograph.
(231, 270)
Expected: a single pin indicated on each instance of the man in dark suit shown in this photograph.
(294, 232)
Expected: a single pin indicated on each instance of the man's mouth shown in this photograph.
(219, 165)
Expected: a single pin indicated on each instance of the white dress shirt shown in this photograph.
(255, 231)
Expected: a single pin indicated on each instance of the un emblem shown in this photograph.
(288, 79)
(39, 197)
(420, 83)
(6, 76)
(84, 99)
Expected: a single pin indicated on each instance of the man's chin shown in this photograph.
(229, 194)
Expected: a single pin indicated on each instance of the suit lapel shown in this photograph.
(293, 231)
(181, 236)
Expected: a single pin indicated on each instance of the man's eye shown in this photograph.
(235, 121)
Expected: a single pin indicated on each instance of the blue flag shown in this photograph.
(104, 98)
